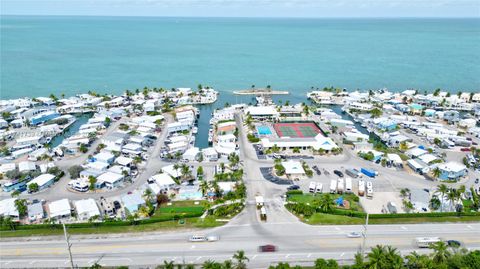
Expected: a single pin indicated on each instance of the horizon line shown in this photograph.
(244, 17)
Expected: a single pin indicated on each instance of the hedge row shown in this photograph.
(356, 214)
(105, 223)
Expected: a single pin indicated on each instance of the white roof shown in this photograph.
(171, 171)
(26, 166)
(178, 138)
(102, 166)
(261, 110)
(293, 167)
(226, 186)
(453, 167)
(59, 208)
(191, 152)
(427, 158)
(104, 156)
(7, 167)
(225, 148)
(87, 207)
(209, 151)
(416, 152)
(110, 177)
(227, 137)
(132, 146)
(394, 158)
(124, 160)
(415, 164)
(41, 180)
(8, 208)
(163, 179)
(154, 188)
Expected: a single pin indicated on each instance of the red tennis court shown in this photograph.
(303, 129)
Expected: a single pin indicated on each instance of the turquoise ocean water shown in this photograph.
(43, 55)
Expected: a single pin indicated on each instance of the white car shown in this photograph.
(354, 235)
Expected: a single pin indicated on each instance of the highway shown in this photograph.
(296, 242)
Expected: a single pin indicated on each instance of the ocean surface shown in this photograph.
(69, 55)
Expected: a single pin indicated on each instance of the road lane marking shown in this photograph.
(286, 256)
(404, 228)
(343, 253)
(198, 258)
(254, 256)
(309, 255)
(32, 262)
(470, 227)
(338, 229)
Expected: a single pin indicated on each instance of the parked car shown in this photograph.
(293, 187)
(338, 173)
(453, 243)
(465, 149)
(117, 205)
(267, 248)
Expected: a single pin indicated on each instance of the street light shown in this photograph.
(364, 234)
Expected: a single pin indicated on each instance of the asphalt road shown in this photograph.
(296, 242)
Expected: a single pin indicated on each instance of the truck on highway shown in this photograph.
(333, 186)
(352, 172)
(348, 185)
(319, 188)
(312, 187)
(340, 185)
(361, 187)
(425, 242)
(369, 172)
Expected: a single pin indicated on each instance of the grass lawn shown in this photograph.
(208, 222)
(177, 208)
(310, 198)
(328, 219)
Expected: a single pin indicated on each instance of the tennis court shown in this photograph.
(303, 129)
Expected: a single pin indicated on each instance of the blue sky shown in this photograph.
(247, 8)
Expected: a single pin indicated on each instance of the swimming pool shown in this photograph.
(264, 130)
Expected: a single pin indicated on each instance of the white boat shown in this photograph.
(194, 130)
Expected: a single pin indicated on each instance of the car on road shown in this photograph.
(197, 238)
(213, 238)
(453, 243)
(338, 173)
(293, 187)
(476, 181)
(267, 248)
(465, 149)
(354, 235)
(117, 205)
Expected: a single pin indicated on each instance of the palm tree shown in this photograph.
(393, 257)
(325, 203)
(234, 160)
(186, 173)
(452, 197)
(440, 252)
(168, 265)
(204, 187)
(227, 264)
(241, 259)
(461, 190)
(176, 166)
(436, 172)
(442, 189)
(148, 194)
(375, 257)
(435, 203)
(404, 192)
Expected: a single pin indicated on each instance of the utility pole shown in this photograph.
(69, 246)
(364, 236)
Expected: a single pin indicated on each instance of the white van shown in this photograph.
(197, 238)
(348, 185)
(312, 187)
(319, 188)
